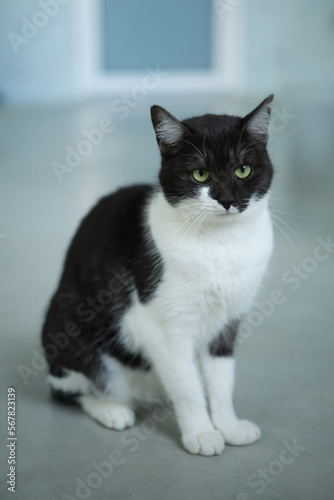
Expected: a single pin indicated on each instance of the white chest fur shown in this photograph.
(211, 271)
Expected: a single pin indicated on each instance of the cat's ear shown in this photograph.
(169, 131)
(257, 121)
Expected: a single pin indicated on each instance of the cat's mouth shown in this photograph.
(224, 213)
(228, 214)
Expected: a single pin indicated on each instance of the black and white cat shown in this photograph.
(157, 279)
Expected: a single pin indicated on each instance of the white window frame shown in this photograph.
(225, 76)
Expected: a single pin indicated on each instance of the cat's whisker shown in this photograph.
(182, 207)
(237, 148)
(189, 218)
(203, 145)
(286, 213)
(291, 229)
(206, 218)
(210, 209)
(193, 145)
(192, 225)
(280, 239)
(189, 154)
(200, 224)
(290, 197)
(287, 237)
(247, 147)
(193, 219)
(198, 214)
(192, 229)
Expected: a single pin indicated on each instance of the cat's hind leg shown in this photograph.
(109, 413)
(71, 387)
(68, 386)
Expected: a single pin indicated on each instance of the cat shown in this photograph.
(158, 278)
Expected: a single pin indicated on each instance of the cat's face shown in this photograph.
(220, 161)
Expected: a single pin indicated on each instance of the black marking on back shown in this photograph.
(110, 257)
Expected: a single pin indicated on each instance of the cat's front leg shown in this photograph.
(174, 363)
(217, 365)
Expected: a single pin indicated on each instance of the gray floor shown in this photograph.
(284, 359)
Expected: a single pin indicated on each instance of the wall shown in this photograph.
(36, 63)
(288, 49)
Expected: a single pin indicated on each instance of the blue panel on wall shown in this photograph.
(174, 34)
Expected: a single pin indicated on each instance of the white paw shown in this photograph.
(206, 443)
(109, 414)
(239, 432)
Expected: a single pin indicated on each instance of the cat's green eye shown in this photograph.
(243, 172)
(201, 175)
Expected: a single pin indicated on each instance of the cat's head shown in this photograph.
(219, 160)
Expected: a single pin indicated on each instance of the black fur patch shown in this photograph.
(223, 344)
(109, 257)
(219, 144)
(67, 398)
(57, 371)
(128, 358)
